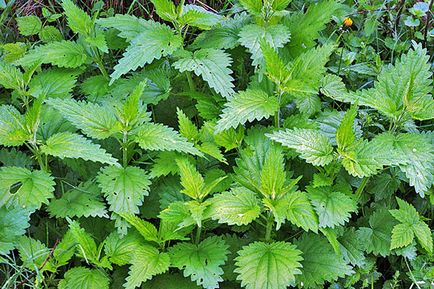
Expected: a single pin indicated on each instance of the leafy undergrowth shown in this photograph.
(267, 146)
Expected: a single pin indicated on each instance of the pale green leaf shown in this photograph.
(163, 138)
(246, 106)
(268, 265)
(213, 66)
(81, 277)
(72, 145)
(53, 83)
(121, 249)
(124, 187)
(300, 211)
(239, 206)
(191, 180)
(62, 53)
(128, 26)
(165, 9)
(29, 25)
(10, 76)
(198, 16)
(402, 236)
(312, 146)
(202, 262)
(146, 229)
(13, 130)
(30, 188)
(13, 223)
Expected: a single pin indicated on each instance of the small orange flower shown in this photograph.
(348, 22)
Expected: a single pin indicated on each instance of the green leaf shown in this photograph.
(29, 25)
(50, 34)
(198, 16)
(276, 35)
(72, 145)
(273, 175)
(239, 206)
(411, 225)
(191, 180)
(165, 9)
(253, 6)
(305, 27)
(13, 223)
(96, 121)
(147, 262)
(120, 249)
(146, 229)
(333, 208)
(411, 81)
(320, 262)
(300, 211)
(202, 262)
(352, 248)
(124, 187)
(33, 254)
(10, 76)
(158, 137)
(276, 69)
(246, 106)
(312, 146)
(377, 237)
(186, 127)
(13, 130)
(82, 201)
(62, 53)
(213, 66)
(156, 41)
(55, 83)
(81, 277)
(78, 20)
(86, 246)
(402, 236)
(344, 134)
(268, 266)
(129, 26)
(30, 188)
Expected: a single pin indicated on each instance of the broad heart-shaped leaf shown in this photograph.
(320, 262)
(246, 106)
(213, 66)
(78, 20)
(268, 265)
(201, 262)
(72, 145)
(404, 87)
(333, 208)
(13, 223)
(411, 225)
(240, 206)
(94, 120)
(53, 83)
(81, 277)
(312, 146)
(158, 137)
(275, 35)
(377, 237)
(10, 76)
(62, 53)
(124, 187)
(13, 131)
(82, 201)
(154, 42)
(147, 262)
(300, 211)
(32, 188)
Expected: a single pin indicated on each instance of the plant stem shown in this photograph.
(362, 187)
(269, 228)
(191, 84)
(198, 233)
(125, 149)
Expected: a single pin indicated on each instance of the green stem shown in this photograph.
(125, 149)
(362, 187)
(340, 60)
(191, 84)
(269, 228)
(198, 233)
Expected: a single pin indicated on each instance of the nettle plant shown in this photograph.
(218, 147)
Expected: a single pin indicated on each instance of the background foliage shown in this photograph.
(227, 144)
